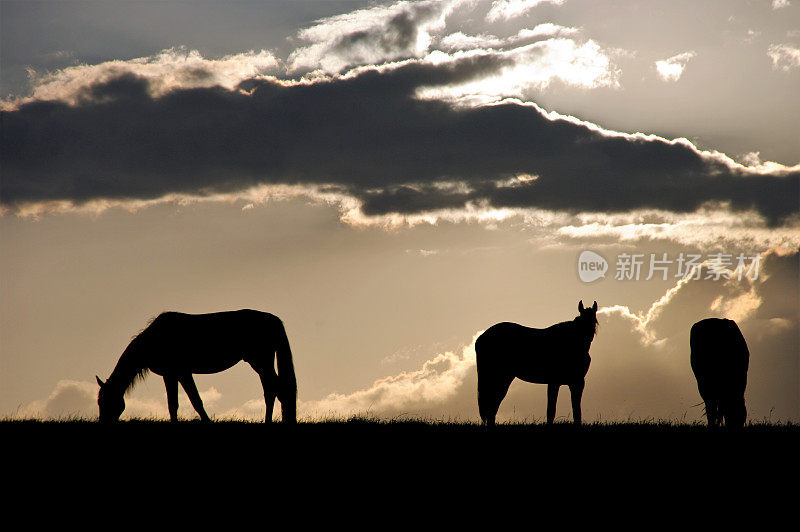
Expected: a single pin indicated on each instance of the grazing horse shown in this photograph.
(176, 345)
(719, 360)
(554, 356)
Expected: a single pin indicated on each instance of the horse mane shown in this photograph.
(138, 376)
(129, 370)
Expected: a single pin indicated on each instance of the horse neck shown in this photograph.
(586, 329)
(127, 370)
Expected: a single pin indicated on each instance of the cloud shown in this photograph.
(752, 35)
(461, 41)
(508, 9)
(531, 66)
(780, 4)
(69, 399)
(671, 69)
(78, 399)
(784, 56)
(708, 226)
(170, 70)
(546, 29)
(371, 36)
(436, 382)
(367, 140)
(640, 366)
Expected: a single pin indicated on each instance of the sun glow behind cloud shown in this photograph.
(531, 66)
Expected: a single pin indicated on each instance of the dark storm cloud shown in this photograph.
(365, 134)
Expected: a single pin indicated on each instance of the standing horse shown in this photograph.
(554, 356)
(176, 345)
(719, 360)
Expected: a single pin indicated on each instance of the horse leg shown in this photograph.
(187, 381)
(709, 394)
(712, 412)
(172, 397)
(733, 411)
(269, 381)
(576, 391)
(499, 395)
(552, 398)
(484, 393)
(490, 394)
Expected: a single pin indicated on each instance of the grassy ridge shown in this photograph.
(413, 462)
(382, 425)
(360, 436)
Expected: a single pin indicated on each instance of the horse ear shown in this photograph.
(580, 306)
(99, 382)
(594, 307)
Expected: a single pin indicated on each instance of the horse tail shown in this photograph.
(287, 381)
(484, 382)
(480, 352)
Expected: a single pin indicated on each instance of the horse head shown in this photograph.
(588, 315)
(110, 402)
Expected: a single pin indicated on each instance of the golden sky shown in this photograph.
(391, 179)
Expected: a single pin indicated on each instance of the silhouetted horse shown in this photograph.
(176, 345)
(554, 356)
(720, 359)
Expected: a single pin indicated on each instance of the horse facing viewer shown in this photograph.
(554, 356)
(177, 345)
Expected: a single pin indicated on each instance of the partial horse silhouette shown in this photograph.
(719, 360)
(176, 345)
(554, 356)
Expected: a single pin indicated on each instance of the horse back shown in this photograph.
(241, 323)
(545, 355)
(719, 354)
(513, 336)
(208, 343)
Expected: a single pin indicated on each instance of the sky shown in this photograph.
(391, 179)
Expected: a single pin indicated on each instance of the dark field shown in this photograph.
(401, 467)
